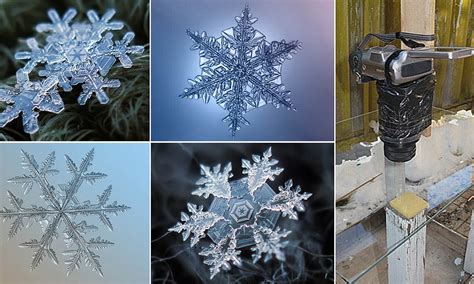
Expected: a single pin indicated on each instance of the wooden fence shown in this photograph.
(454, 24)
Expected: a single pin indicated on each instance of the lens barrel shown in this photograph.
(404, 112)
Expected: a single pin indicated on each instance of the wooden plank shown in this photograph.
(444, 12)
(343, 101)
(469, 258)
(407, 263)
(411, 20)
(372, 19)
(460, 21)
(355, 37)
(467, 91)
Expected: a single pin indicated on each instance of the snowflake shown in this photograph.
(74, 54)
(241, 70)
(243, 213)
(62, 206)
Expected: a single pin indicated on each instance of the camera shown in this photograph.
(405, 81)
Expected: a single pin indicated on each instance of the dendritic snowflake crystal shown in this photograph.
(77, 53)
(243, 213)
(62, 206)
(241, 70)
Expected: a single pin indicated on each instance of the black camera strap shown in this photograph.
(411, 40)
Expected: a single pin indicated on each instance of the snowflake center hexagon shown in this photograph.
(241, 211)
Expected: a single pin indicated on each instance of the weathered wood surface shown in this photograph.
(469, 258)
(407, 263)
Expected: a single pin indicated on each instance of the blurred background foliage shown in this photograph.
(125, 117)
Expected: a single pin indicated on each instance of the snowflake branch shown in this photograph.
(197, 223)
(271, 92)
(30, 163)
(83, 247)
(288, 201)
(214, 182)
(268, 242)
(221, 255)
(261, 170)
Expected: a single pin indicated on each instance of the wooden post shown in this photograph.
(403, 215)
(411, 21)
(469, 258)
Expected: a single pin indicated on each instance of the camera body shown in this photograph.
(405, 83)
(402, 68)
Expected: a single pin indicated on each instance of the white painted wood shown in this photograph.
(407, 263)
(469, 258)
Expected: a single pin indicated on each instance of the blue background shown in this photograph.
(127, 169)
(309, 75)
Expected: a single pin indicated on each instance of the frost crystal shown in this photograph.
(241, 70)
(269, 242)
(74, 54)
(62, 207)
(243, 213)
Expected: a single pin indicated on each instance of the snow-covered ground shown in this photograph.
(448, 150)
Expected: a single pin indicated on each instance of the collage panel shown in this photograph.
(404, 142)
(222, 70)
(242, 213)
(74, 213)
(74, 70)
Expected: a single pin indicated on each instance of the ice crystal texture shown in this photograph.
(61, 206)
(241, 70)
(243, 213)
(75, 53)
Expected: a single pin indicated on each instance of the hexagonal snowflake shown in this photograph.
(243, 213)
(73, 54)
(241, 70)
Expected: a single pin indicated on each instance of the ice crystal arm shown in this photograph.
(270, 92)
(101, 25)
(108, 50)
(221, 255)
(214, 182)
(21, 214)
(100, 209)
(36, 55)
(197, 223)
(43, 246)
(36, 172)
(84, 249)
(213, 50)
(275, 53)
(269, 242)
(58, 24)
(80, 175)
(288, 201)
(209, 82)
(244, 38)
(93, 83)
(28, 100)
(235, 103)
(261, 170)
